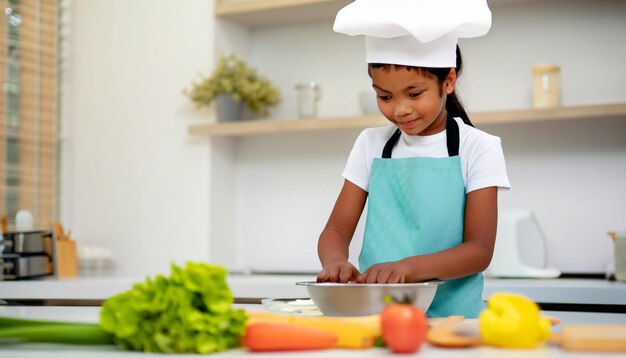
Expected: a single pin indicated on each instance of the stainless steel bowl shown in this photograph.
(363, 299)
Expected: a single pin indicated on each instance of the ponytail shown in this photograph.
(453, 103)
(455, 108)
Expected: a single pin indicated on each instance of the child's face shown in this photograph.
(412, 100)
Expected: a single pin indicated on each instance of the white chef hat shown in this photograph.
(422, 33)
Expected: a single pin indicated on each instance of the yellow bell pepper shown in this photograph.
(513, 321)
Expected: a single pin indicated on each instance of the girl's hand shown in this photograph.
(387, 272)
(338, 271)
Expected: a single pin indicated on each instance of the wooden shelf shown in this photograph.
(259, 13)
(274, 126)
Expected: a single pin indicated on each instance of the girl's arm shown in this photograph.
(334, 240)
(472, 256)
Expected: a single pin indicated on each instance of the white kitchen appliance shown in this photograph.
(520, 250)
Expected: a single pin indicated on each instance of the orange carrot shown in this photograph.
(268, 337)
(352, 332)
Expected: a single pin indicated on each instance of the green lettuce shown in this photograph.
(189, 312)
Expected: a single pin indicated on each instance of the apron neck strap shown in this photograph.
(452, 138)
(391, 143)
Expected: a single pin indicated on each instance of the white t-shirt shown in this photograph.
(482, 160)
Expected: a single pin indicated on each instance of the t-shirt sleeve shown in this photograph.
(358, 166)
(487, 166)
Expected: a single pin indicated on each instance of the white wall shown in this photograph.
(141, 185)
(138, 181)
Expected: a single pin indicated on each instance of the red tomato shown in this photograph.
(404, 327)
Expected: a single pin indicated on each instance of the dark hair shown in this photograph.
(453, 103)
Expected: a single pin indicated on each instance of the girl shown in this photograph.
(431, 180)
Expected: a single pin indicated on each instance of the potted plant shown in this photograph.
(234, 83)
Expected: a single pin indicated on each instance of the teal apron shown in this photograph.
(416, 206)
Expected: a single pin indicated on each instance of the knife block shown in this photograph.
(65, 260)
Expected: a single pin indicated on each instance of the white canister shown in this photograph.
(368, 102)
(619, 241)
(546, 86)
(308, 95)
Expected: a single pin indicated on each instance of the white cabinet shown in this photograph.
(274, 181)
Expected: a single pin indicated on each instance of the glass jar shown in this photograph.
(308, 95)
(546, 86)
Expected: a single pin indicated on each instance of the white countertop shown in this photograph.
(572, 291)
(99, 288)
(90, 314)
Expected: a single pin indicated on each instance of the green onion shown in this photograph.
(25, 330)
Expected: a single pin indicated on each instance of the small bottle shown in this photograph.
(546, 86)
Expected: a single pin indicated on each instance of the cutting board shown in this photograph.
(455, 332)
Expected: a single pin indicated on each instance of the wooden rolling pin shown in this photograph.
(591, 337)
